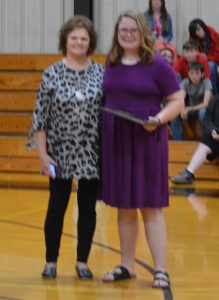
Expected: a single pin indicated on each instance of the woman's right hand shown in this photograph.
(45, 161)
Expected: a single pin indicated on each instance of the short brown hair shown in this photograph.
(190, 45)
(197, 66)
(147, 49)
(73, 23)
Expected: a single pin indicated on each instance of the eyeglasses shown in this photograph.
(124, 31)
(166, 54)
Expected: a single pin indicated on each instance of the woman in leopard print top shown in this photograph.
(66, 129)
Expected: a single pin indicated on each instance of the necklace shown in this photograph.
(80, 85)
(130, 61)
(79, 95)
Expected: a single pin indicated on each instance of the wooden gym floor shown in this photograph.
(193, 249)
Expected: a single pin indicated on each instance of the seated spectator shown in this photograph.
(197, 93)
(208, 148)
(207, 40)
(190, 54)
(168, 54)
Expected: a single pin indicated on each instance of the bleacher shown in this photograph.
(19, 80)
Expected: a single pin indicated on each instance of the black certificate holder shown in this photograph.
(128, 116)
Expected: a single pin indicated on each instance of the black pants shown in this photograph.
(60, 191)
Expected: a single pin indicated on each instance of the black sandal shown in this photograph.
(161, 280)
(118, 273)
(84, 273)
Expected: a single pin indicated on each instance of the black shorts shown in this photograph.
(213, 145)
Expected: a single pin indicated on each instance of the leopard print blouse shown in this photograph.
(68, 109)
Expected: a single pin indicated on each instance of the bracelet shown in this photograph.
(158, 121)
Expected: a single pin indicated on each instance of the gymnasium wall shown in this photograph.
(31, 26)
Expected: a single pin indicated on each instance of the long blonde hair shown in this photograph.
(146, 50)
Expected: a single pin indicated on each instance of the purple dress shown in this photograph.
(134, 162)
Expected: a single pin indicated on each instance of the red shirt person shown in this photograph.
(207, 39)
(190, 55)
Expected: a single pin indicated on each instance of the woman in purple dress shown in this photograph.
(135, 157)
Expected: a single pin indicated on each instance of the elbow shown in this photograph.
(182, 103)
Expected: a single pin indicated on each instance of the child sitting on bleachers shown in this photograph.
(168, 55)
(207, 39)
(197, 93)
(190, 54)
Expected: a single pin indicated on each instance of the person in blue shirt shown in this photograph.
(159, 21)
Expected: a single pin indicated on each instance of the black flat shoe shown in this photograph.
(49, 272)
(84, 273)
